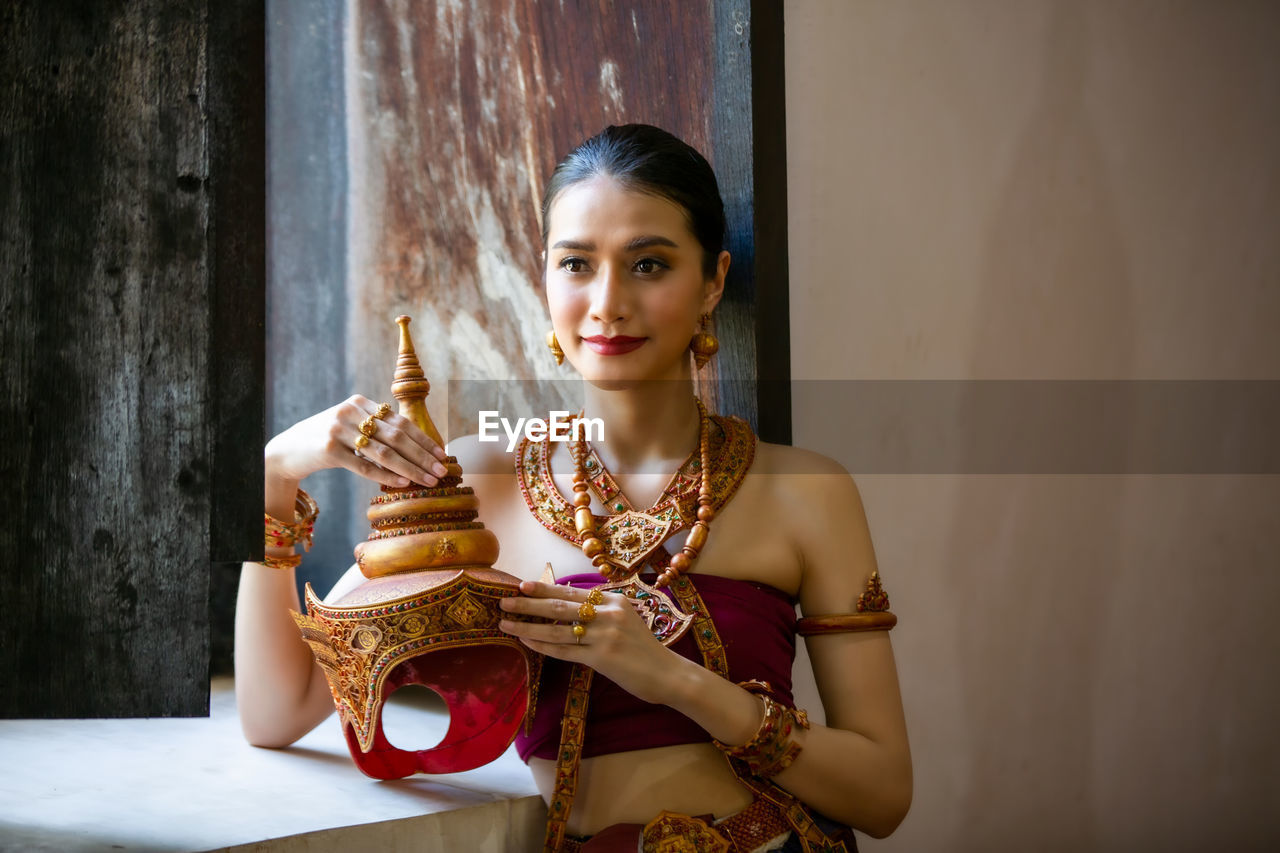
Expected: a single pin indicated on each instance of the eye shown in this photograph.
(573, 264)
(649, 266)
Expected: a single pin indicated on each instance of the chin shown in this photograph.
(623, 373)
(617, 379)
(615, 383)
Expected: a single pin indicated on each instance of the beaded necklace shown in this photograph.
(699, 488)
(638, 534)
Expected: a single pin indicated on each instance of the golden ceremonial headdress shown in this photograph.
(427, 614)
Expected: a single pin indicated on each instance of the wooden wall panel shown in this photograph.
(236, 105)
(108, 325)
(235, 110)
(766, 198)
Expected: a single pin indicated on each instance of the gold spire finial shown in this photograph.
(410, 385)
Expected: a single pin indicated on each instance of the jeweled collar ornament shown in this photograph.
(665, 619)
(621, 544)
(617, 549)
(427, 614)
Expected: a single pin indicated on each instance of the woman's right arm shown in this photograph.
(281, 693)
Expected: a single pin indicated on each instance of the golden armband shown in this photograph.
(871, 614)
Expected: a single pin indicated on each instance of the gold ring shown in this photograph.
(579, 631)
(586, 612)
(368, 426)
(383, 411)
(362, 441)
(595, 596)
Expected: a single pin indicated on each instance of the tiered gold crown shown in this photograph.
(417, 528)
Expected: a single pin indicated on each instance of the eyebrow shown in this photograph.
(644, 242)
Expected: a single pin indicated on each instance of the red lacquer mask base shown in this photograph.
(437, 629)
(486, 691)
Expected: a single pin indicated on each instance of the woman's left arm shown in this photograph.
(856, 768)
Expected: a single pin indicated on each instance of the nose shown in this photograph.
(610, 299)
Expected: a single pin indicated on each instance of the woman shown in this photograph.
(633, 264)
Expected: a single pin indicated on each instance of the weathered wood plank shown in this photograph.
(236, 107)
(770, 265)
(237, 364)
(732, 126)
(105, 438)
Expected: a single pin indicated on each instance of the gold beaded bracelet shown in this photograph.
(282, 534)
(773, 747)
(289, 562)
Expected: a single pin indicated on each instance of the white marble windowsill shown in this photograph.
(196, 785)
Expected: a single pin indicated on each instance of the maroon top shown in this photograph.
(756, 623)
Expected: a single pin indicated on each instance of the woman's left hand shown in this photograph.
(617, 643)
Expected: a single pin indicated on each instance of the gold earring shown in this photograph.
(704, 344)
(554, 346)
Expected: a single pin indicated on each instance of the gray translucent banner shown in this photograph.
(985, 426)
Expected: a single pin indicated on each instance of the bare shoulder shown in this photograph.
(797, 474)
(783, 459)
(819, 502)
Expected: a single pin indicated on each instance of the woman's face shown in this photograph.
(625, 283)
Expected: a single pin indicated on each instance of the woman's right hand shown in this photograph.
(397, 454)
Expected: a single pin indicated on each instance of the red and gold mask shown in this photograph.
(427, 614)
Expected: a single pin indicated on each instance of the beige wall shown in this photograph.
(1047, 190)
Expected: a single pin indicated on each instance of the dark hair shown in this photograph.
(647, 159)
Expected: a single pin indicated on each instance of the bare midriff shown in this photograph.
(632, 787)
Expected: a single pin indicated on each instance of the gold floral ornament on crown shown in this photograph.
(427, 613)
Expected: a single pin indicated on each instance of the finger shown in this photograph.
(378, 474)
(357, 416)
(413, 433)
(363, 403)
(538, 589)
(352, 413)
(541, 632)
(341, 448)
(571, 653)
(548, 608)
(388, 458)
(406, 452)
(412, 441)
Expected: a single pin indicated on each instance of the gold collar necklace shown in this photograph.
(620, 544)
(640, 529)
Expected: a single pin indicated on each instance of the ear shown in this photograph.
(714, 288)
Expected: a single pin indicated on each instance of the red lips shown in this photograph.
(601, 345)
